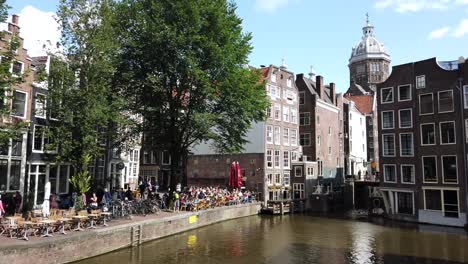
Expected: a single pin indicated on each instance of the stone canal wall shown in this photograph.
(77, 246)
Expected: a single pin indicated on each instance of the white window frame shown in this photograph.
(293, 136)
(393, 121)
(277, 159)
(413, 177)
(441, 191)
(438, 101)
(293, 113)
(285, 114)
(382, 98)
(296, 171)
(269, 178)
(396, 200)
(300, 188)
(394, 170)
(162, 158)
(454, 133)
(269, 130)
(288, 182)
(383, 144)
(277, 176)
(401, 149)
(270, 112)
(43, 105)
(286, 136)
(436, 169)
(310, 171)
(306, 118)
(25, 104)
(277, 112)
(286, 159)
(34, 141)
(432, 96)
(22, 68)
(269, 158)
(421, 134)
(399, 117)
(442, 166)
(410, 94)
(417, 83)
(277, 135)
(307, 137)
(273, 77)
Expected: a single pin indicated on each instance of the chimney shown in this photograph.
(319, 86)
(332, 93)
(13, 27)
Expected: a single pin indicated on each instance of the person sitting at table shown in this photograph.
(94, 203)
(53, 201)
(65, 202)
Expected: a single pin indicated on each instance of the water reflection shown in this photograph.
(297, 239)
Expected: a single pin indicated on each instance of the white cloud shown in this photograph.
(439, 33)
(462, 29)
(462, 2)
(403, 6)
(38, 28)
(270, 6)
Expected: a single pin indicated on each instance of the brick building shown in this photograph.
(273, 144)
(423, 111)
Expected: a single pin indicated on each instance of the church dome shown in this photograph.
(369, 47)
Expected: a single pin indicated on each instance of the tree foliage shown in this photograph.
(81, 90)
(182, 67)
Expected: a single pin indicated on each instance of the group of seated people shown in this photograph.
(211, 197)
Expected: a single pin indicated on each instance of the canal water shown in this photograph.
(299, 239)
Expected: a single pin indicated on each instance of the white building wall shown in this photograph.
(357, 141)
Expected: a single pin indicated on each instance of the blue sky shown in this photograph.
(322, 33)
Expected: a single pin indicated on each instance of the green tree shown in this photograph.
(82, 96)
(182, 68)
(9, 128)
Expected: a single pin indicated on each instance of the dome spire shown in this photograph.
(368, 29)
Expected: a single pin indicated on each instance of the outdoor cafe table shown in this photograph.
(47, 223)
(13, 219)
(80, 218)
(63, 221)
(92, 216)
(26, 229)
(105, 215)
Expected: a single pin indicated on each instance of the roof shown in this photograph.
(311, 85)
(264, 72)
(363, 103)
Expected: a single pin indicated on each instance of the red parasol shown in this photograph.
(238, 178)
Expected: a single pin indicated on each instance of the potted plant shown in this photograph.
(81, 183)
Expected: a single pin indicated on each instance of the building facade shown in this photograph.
(321, 126)
(423, 110)
(273, 144)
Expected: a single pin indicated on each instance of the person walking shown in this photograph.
(2, 209)
(176, 202)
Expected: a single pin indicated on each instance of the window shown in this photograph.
(433, 200)
(273, 91)
(405, 202)
(447, 132)
(273, 77)
(269, 136)
(294, 156)
(40, 138)
(304, 119)
(298, 189)
(387, 95)
(285, 114)
(301, 98)
(270, 178)
(449, 169)
(305, 139)
(318, 140)
(286, 179)
(427, 134)
(277, 178)
(406, 144)
(445, 101)
(269, 158)
(425, 104)
(166, 158)
(289, 82)
(16, 146)
(39, 103)
(310, 171)
(286, 136)
(18, 107)
(318, 119)
(407, 173)
(320, 167)
(277, 112)
(298, 171)
(450, 203)
(269, 112)
(389, 173)
(293, 137)
(406, 118)
(420, 81)
(388, 145)
(18, 68)
(277, 158)
(404, 93)
(429, 169)
(286, 159)
(387, 120)
(294, 115)
(277, 135)
(465, 95)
